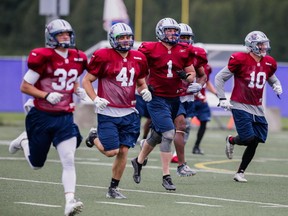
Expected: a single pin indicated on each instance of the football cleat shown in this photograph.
(137, 170)
(168, 184)
(73, 207)
(15, 144)
(239, 177)
(229, 148)
(184, 171)
(197, 150)
(91, 136)
(114, 193)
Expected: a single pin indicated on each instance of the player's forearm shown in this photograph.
(87, 85)
(31, 90)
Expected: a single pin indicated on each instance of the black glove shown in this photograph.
(182, 74)
(151, 89)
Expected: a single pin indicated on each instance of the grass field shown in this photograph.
(210, 192)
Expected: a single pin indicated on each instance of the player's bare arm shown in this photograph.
(87, 85)
(201, 76)
(190, 70)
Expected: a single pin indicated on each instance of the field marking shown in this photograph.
(198, 204)
(203, 166)
(275, 206)
(261, 204)
(121, 204)
(38, 204)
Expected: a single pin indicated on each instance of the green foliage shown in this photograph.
(213, 21)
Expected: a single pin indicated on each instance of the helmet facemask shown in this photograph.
(261, 49)
(171, 38)
(186, 39)
(124, 45)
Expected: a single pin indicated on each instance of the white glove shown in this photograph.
(146, 95)
(81, 93)
(194, 87)
(277, 89)
(225, 104)
(201, 96)
(53, 97)
(28, 105)
(100, 103)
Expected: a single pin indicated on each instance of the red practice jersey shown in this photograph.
(117, 76)
(199, 60)
(163, 64)
(199, 55)
(250, 77)
(208, 71)
(57, 74)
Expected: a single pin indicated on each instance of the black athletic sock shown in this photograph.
(247, 156)
(114, 183)
(166, 176)
(139, 165)
(200, 133)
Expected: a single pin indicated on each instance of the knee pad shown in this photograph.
(167, 138)
(154, 138)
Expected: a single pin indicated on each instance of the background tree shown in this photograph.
(213, 21)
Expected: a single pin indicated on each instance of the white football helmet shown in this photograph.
(55, 27)
(186, 30)
(257, 43)
(120, 29)
(167, 23)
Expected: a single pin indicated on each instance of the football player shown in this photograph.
(119, 71)
(251, 71)
(169, 64)
(52, 78)
(187, 105)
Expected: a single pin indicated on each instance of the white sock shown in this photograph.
(69, 197)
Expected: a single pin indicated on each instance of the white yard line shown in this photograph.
(262, 204)
(122, 204)
(38, 204)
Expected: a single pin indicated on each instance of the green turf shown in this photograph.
(211, 192)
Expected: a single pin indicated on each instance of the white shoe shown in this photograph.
(73, 207)
(15, 145)
(239, 177)
(229, 148)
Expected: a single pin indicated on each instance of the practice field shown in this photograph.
(211, 191)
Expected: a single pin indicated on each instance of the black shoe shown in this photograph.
(91, 136)
(168, 184)
(137, 170)
(197, 150)
(145, 161)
